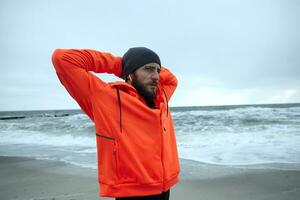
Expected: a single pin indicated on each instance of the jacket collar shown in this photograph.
(129, 89)
(126, 87)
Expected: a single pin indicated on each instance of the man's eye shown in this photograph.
(152, 69)
(149, 68)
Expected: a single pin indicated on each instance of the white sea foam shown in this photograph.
(239, 136)
(240, 149)
(36, 138)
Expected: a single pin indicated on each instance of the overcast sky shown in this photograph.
(222, 52)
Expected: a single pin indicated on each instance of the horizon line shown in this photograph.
(226, 105)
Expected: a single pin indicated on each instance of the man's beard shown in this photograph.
(142, 90)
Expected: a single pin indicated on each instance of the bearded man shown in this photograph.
(136, 145)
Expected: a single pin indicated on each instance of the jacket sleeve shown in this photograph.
(168, 82)
(73, 68)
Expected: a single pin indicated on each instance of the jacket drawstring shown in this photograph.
(120, 107)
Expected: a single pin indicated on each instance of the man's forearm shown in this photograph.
(90, 60)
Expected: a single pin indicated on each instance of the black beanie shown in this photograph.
(137, 57)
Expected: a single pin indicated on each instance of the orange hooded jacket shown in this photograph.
(136, 145)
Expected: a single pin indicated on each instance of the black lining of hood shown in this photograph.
(120, 107)
(167, 101)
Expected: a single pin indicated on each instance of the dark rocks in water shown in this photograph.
(61, 115)
(11, 117)
(22, 116)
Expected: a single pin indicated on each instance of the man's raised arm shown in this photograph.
(73, 68)
(168, 82)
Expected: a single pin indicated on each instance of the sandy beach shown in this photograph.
(30, 179)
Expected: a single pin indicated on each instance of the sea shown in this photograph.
(240, 135)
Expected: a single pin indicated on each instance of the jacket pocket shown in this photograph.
(108, 159)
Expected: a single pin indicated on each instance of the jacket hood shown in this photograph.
(129, 89)
(126, 87)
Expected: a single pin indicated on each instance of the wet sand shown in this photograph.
(30, 179)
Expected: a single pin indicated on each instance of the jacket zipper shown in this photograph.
(115, 152)
(163, 129)
(105, 137)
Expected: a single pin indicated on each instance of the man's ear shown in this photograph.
(129, 78)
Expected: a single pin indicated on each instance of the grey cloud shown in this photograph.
(230, 44)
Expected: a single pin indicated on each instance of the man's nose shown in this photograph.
(155, 76)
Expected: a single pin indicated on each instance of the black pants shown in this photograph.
(162, 196)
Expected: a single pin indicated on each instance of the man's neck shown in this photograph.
(150, 103)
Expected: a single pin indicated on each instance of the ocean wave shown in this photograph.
(234, 135)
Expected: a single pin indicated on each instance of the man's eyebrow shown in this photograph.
(153, 66)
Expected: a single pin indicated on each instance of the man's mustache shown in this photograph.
(153, 83)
